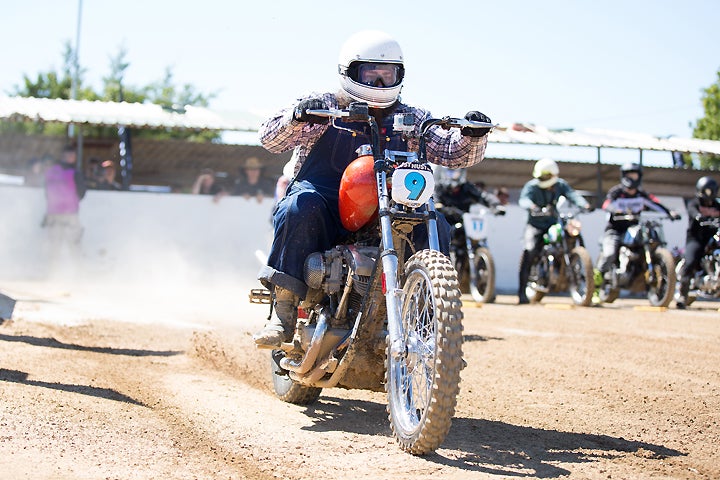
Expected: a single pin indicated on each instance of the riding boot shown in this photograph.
(523, 278)
(281, 327)
(684, 288)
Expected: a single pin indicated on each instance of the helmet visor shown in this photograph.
(378, 74)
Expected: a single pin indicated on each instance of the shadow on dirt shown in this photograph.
(331, 414)
(488, 446)
(16, 376)
(500, 448)
(53, 343)
(479, 338)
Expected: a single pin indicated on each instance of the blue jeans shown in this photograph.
(305, 222)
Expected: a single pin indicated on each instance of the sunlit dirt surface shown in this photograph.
(127, 380)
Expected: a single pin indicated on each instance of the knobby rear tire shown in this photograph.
(288, 390)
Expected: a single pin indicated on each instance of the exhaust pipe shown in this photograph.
(301, 367)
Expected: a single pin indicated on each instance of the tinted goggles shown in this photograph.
(377, 74)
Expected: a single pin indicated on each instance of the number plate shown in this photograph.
(474, 224)
(412, 184)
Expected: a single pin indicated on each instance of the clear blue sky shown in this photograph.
(636, 66)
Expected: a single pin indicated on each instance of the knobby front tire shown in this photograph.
(423, 381)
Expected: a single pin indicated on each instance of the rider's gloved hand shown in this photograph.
(674, 215)
(476, 116)
(588, 208)
(301, 114)
(499, 210)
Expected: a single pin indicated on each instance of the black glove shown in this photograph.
(475, 116)
(499, 210)
(674, 215)
(310, 104)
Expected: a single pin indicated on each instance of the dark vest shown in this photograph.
(334, 151)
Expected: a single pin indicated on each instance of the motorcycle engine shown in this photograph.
(328, 271)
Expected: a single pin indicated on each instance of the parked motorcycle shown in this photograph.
(705, 281)
(564, 265)
(381, 314)
(470, 253)
(643, 263)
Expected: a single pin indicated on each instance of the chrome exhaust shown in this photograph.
(301, 367)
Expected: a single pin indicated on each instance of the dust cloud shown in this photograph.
(156, 257)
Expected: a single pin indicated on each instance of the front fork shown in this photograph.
(650, 272)
(394, 294)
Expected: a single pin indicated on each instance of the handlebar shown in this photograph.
(635, 217)
(708, 221)
(360, 112)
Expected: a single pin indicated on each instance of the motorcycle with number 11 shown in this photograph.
(381, 314)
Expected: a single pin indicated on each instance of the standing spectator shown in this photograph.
(206, 184)
(251, 183)
(93, 173)
(107, 177)
(503, 196)
(64, 188)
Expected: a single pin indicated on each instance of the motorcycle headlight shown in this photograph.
(573, 227)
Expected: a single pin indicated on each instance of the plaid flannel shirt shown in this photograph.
(449, 148)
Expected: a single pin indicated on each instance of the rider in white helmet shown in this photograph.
(542, 192)
(371, 69)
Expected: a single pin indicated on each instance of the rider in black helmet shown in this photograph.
(704, 205)
(626, 197)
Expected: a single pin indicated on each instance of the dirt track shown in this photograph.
(101, 382)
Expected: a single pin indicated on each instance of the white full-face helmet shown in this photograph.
(371, 68)
(546, 171)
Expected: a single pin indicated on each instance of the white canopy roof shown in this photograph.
(119, 113)
(189, 117)
(519, 133)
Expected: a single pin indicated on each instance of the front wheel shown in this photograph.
(662, 289)
(582, 283)
(538, 283)
(423, 379)
(483, 288)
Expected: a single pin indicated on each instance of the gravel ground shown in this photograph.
(108, 381)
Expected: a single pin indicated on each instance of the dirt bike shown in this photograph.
(705, 281)
(381, 315)
(643, 264)
(470, 253)
(563, 264)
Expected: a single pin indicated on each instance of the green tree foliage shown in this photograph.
(708, 127)
(54, 84)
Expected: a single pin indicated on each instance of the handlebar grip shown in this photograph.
(326, 113)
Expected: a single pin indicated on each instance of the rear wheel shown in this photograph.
(582, 283)
(288, 390)
(483, 288)
(423, 375)
(662, 290)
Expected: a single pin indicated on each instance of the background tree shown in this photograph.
(708, 127)
(54, 84)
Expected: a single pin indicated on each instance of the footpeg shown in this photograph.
(260, 295)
